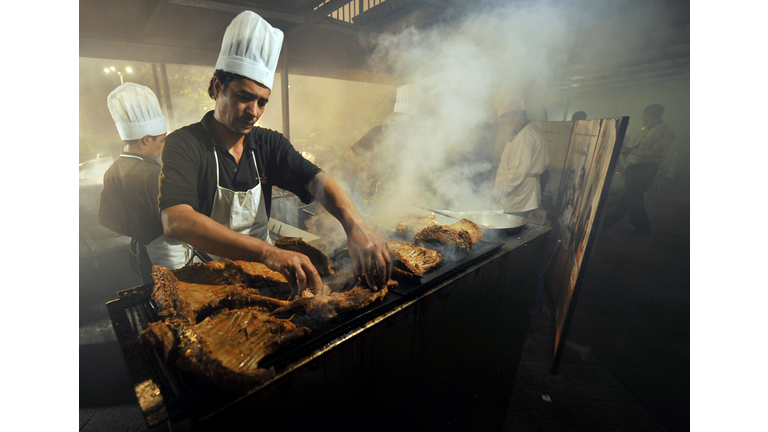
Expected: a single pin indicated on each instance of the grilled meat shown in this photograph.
(225, 349)
(318, 259)
(325, 307)
(226, 272)
(218, 327)
(411, 259)
(474, 230)
(441, 236)
(193, 301)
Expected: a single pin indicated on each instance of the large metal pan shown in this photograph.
(496, 223)
(491, 222)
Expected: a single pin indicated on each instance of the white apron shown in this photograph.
(167, 251)
(244, 212)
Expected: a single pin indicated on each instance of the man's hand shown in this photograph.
(370, 257)
(367, 250)
(296, 267)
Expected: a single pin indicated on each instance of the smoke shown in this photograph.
(473, 66)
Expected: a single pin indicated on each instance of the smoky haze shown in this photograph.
(472, 68)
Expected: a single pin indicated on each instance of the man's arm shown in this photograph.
(367, 250)
(182, 222)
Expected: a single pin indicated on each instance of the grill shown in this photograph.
(165, 393)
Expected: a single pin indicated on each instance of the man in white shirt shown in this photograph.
(525, 157)
(645, 155)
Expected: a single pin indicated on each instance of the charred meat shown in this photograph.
(193, 301)
(473, 229)
(442, 237)
(225, 348)
(318, 259)
(328, 306)
(411, 259)
(218, 327)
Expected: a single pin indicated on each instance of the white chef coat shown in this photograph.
(518, 188)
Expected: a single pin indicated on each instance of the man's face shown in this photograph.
(241, 105)
(155, 145)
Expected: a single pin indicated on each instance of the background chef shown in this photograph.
(518, 187)
(217, 174)
(128, 202)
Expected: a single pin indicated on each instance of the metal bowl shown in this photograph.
(493, 222)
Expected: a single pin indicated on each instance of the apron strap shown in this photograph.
(217, 166)
(216, 156)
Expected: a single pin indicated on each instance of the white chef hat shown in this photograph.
(136, 111)
(251, 48)
(408, 96)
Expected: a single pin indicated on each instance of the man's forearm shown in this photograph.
(183, 223)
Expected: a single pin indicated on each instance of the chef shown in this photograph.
(517, 187)
(217, 174)
(128, 203)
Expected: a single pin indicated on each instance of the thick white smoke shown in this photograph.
(466, 67)
(472, 67)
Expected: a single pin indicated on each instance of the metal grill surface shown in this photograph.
(177, 394)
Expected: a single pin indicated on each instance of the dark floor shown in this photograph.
(625, 366)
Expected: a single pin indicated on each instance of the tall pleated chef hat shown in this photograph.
(535, 109)
(136, 111)
(251, 48)
(408, 97)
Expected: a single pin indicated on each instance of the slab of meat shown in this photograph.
(474, 230)
(321, 308)
(410, 262)
(218, 327)
(296, 244)
(193, 301)
(225, 348)
(255, 275)
(411, 259)
(442, 236)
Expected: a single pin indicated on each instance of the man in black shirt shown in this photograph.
(217, 175)
(128, 203)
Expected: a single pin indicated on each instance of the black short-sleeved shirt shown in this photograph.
(189, 166)
(128, 203)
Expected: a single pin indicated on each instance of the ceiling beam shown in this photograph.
(324, 10)
(236, 9)
(154, 19)
(143, 52)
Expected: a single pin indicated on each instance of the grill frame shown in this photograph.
(168, 394)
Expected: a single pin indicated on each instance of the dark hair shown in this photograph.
(224, 78)
(137, 141)
(655, 110)
(579, 115)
